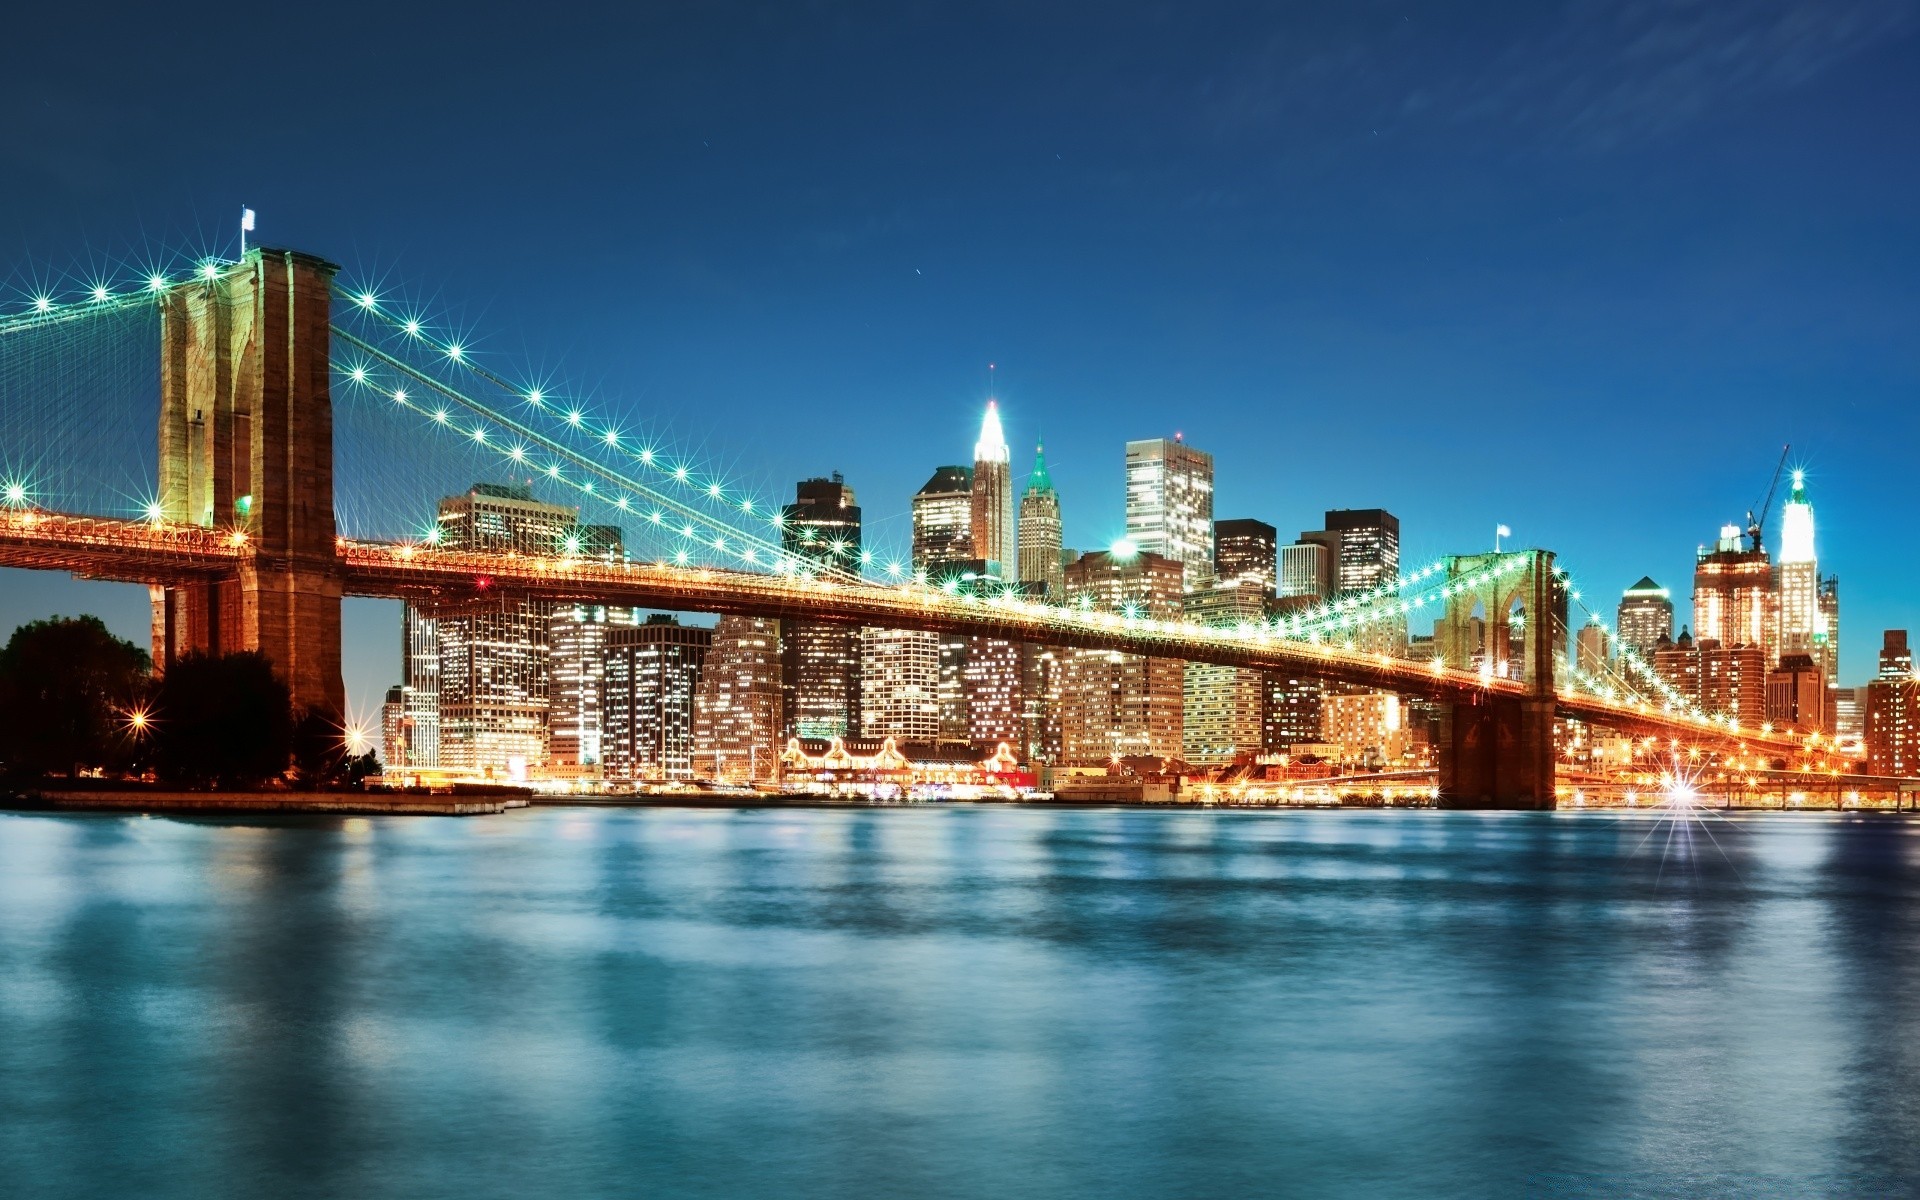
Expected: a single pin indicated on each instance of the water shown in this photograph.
(961, 1002)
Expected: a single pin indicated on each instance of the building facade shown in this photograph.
(1733, 600)
(1892, 716)
(1040, 559)
(1246, 551)
(820, 666)
(1644, 618)
(943, 518)
(1306, 570)
(990, 517)
(579, 663)
(1122, 704)
(738, 713)
(651, 680)
(1170, 505)
(1223, 709)
(900, 684)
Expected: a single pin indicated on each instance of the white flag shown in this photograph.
(246, 220)
(1502, 531)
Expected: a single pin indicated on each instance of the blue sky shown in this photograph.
(1579, 268)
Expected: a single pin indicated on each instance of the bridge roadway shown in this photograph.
(155, 552)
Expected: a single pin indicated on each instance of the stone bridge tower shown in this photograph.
(246, 444)
(1497, 751)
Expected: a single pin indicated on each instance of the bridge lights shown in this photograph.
(365, 300)
(574, 417)
(210, 271)
(152, 511)
(399, 395)
(99, 292)
(14, 492)
(453, 351)
(156, 283)
(612, 437)
(412, 327)
(533, 397)
(43, 303)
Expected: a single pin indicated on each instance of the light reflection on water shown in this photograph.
(959, 1002)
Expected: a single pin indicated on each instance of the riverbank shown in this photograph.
(394, 803)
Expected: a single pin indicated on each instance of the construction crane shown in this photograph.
(1756, 525)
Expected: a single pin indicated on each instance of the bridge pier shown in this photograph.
(246, 445)
(1496, 753)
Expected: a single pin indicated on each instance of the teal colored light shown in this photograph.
(156, 283)
(42, 303)
(99, 292)
(365, 300)
(243, 505)
(533, 397)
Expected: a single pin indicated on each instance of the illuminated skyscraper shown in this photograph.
(579, 641)
(1892, 719)
(943, 518)
(1366, 548)
(1645, 616)
(652, 676)
(821, 659)
(1246, 551)
(1040, 530)
(1122, 704)
(1591, 653)
(1306, 569)
(1801, 630)
(1733, 597)
(900, 684)
(738, 711)
(420, 685)
(393, 728)
(990, 519)
(1830, 621)
(1223, 707)
(1170, 505)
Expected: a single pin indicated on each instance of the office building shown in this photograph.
(1306, 570)
(1732, 681)
(1830, 624)
(1246, 551)
(900, 685)
(1366, 548)
(578, 638)
(1892, 718)
(943, 518)
(1115, 704)
(1733, 598)
(393, 728)
(1797, 694)
(1645, 616)
(1040, 554)
(1801, 630)
(1292, 715)
(420, 686)
(1042, 672)
(990, 514)
(738, 712)
(1367, 728)
(820, 660)
(651, 681)
(1591, 653)
(990, 680)
(1223, 708)
(1170, 505)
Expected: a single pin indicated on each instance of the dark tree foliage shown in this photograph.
(67, 688)
(321, 758)
(221, 720)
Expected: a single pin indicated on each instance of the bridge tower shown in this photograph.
(246, 444)
(1496, 751)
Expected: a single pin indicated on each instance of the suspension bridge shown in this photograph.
(255, 440)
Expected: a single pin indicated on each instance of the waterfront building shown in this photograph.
(821, 659)
(1797, 694)
(1892, 718)
(900, 684)
(1114, 704)
(1733, 598)
(1644, 617)
(739, 709)
(943, 518)
(1246, 551)
(1041, 676)
(1293, 711)
(420, 686)
(578, 638)
(652, 676)
(1040, 553)
(393, 728)
(1223, 708)
(990, 679)
(1170, 505)
(494, 650)
(990, 514)
(1368, 728)
(1306, 570)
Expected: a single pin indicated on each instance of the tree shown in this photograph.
(222, 720)
(321, 755)
(68, 690)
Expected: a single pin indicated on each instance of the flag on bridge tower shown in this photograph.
(1500, 531)
(246, 227)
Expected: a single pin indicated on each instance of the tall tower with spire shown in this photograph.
(1801, 630)
(1040, 529)
(994, 535)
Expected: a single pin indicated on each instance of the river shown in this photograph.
(960, 1001)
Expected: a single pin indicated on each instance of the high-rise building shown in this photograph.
(990, 516)
(1122, 704)
(1246, 551)
(738, 711)
(1797, 694)
(578, 639)
(1170, 505)
(495, 651)
(652, 676)
(943, 518)
(1849, 713)
(1294, 706)
(1040, 530)
(1733, 600)
(1830, 623)
(1306, 569)
(420, 685)
(1590, 650)
(1223, 708)
(1678, 663)
(1732, 681)
(393, 728)
(1645, 616)
(1042, 671)
(1800, 630)
(821, 659)
(1366, 545)
(990, 678)
(1892, 718)
(900, 684)
(1368, 727)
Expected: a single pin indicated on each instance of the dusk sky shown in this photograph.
(1578, 268)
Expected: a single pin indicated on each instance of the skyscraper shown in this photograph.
(1797, 694)
(1733, 600)
(738, 711)
(1590, 648)
(420, 685)
(1223, 708)
(1306, 569)
(1246, 551)
(1122, 704)
(943, 518)
(1801, 630)
(900, 684)
(1366, 548)
(1170, 505)
(652, 676)
(1830, 621)
(821, 659)
(1892, 719)
(579, 640)
(1645, 616)
(994, 535)
(1040, 530)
